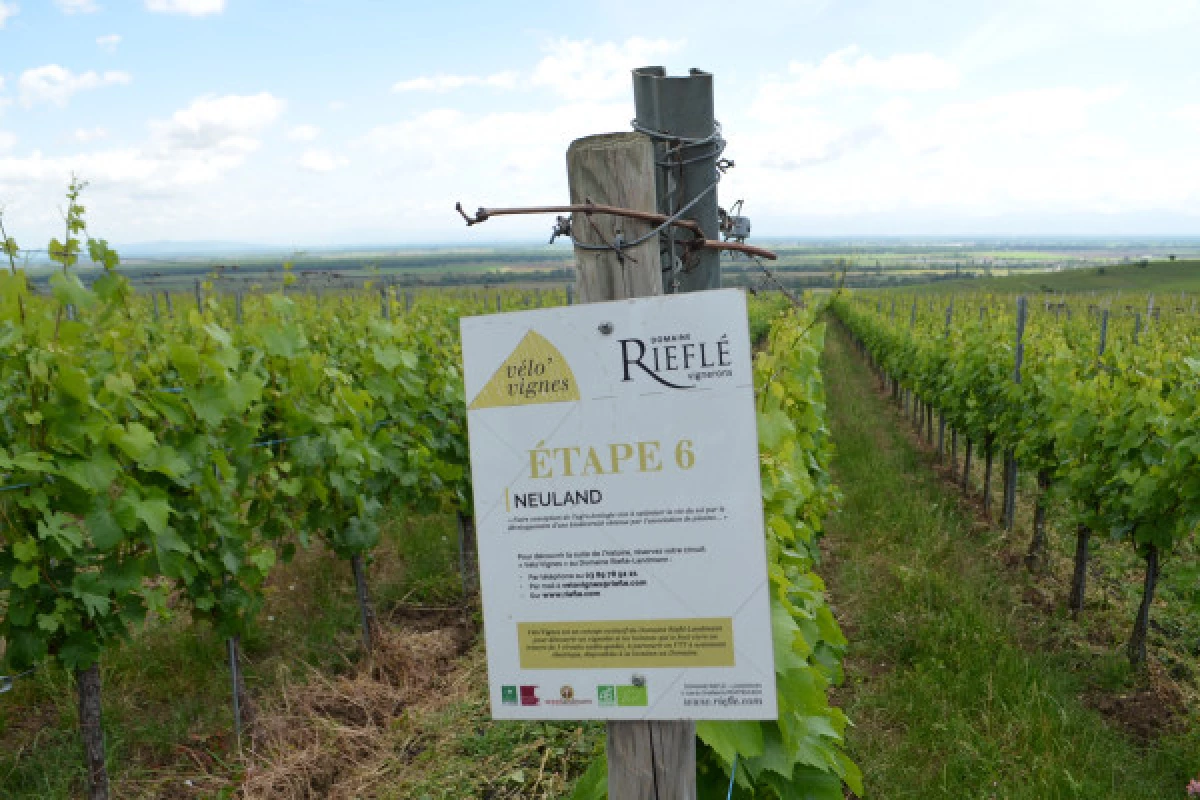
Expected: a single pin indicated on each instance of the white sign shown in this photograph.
(614, 454)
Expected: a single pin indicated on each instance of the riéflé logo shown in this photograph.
(677, 361)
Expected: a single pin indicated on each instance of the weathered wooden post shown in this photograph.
(88, 683)
(654, 759)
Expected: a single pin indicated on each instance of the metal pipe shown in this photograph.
(484, 214)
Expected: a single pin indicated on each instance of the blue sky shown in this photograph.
(320, 123)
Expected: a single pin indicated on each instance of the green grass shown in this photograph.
(953, 685)
(1157, 276)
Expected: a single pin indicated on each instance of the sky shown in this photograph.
(314, 123)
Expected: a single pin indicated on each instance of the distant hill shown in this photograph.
(197, 249)
(1165, 276)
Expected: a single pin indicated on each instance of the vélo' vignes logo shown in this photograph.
(535, 372)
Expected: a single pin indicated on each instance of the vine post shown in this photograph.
(237, 687)
(989, 450)
(366, 612)
(91, 731)
(669, 164)
(618, 169)
(1137, 642)
(1010, 456)
(1083, 533)
(1037, 556)
(966, 474)
(1079, 579)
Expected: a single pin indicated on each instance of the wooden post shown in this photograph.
(1010, 457)
(1078, 596)
(365, 610)
(618, 167)
(91, 731)
(647, 760)
(241, 708)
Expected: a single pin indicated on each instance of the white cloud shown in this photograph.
(212, 136)
(519, 153)
(77, 6)
(999, 123)
(445, 83)
(850, 69)
(199, 144)
(1021, 28)
(7, 11)
(1189, 115)
(321, 161)
(194, 8)
(304, 133)
(111, 166)
(108, 43)
(1028, 153)
(86, 135)
(577, 70)
(583, 70)
(55, 84)
(7, 141)
(228, 123)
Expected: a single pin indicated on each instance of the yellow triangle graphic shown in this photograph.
(535, 373)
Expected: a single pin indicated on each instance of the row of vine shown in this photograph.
(1099, 403)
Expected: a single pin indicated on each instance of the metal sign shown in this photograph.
(614, 455)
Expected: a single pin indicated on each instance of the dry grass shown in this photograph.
(346, 736)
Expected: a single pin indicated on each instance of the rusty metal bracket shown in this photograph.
(698, 243)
